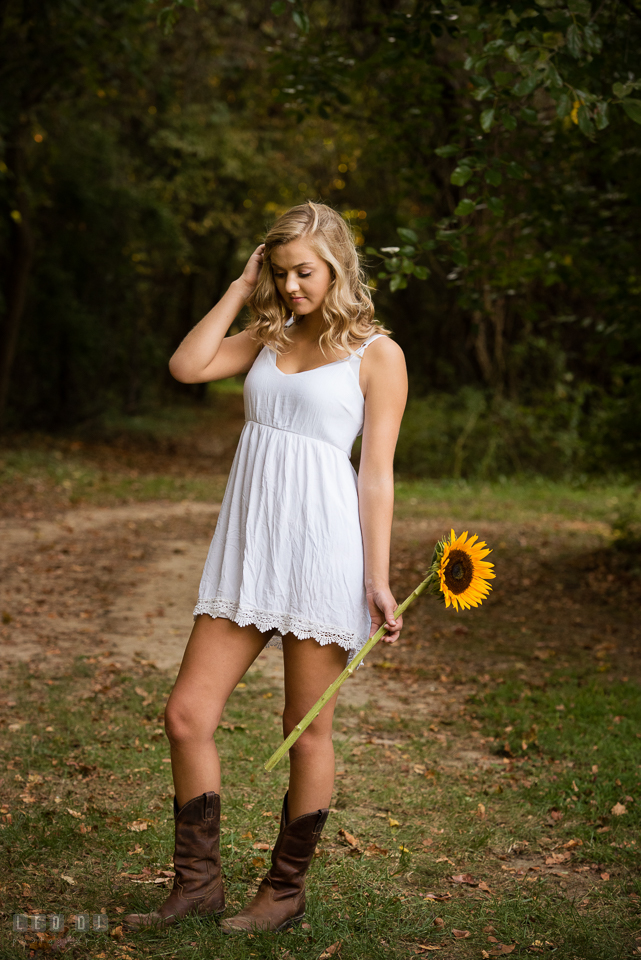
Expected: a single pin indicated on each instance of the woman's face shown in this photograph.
(301, 277)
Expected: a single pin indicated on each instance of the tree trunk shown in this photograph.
(21, 260)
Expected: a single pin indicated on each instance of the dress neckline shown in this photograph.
(297, 373)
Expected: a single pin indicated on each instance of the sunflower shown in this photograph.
(462, 571)
(458, 574)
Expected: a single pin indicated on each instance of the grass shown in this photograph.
(68, 476)
(62, 479)
(84, 754)
(514, 499)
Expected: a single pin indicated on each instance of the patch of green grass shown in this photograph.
(71, 480)
(74, 795)
(578, 741)
(515, 499)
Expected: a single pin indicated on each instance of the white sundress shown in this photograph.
(287, 552)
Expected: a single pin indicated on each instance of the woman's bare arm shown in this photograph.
(384, 382)
(206, 354)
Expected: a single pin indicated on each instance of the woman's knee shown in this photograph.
(184, 723)
(311, 742)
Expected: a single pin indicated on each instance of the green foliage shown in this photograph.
(488, 152)
(477, 436)
(558, 725)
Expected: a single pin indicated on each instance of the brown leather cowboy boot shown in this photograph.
(280, 900)
(198, 885)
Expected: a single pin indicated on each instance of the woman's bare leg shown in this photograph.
(309, 670)
(218, 654)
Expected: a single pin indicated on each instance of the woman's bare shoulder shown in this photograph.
(382, 351)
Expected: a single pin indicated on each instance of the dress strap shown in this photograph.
(290, 321)
(359, 352)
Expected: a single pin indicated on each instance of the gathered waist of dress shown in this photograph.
(304, 436)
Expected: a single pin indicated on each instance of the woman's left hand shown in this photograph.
(381, 609)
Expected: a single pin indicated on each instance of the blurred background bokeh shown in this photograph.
(141, 161)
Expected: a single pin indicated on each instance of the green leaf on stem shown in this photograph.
(460, 176)
(465, 207)
(585, 124)
(573, 40)
(487, 119)
(459, 257)
(564, 106)
(494, 46)
(494, 177)
(421, 273)
(581, 8)
(482, 92)
(527, 85)
(301, 20)
(448, 151)
(407, 235)
(633, 109)
(278, 8)
(591, 39)
(601, 115)
(495, 205)
(397, 283)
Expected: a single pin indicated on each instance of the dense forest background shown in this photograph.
(486, 155)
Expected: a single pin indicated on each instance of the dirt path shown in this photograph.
(125, 579)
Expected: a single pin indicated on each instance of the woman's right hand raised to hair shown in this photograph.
(251, 273)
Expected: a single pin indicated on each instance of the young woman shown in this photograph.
(300, 555)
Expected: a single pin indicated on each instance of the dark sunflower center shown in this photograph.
(459, 572)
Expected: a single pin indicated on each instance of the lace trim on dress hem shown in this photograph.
(280, 622)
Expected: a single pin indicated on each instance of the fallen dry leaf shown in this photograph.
(335, 947)
(347, 838)
(74, 813)
(502, 948)
(258, 861)
(393, 823)
(425, 947)
(618, 809)
(480, 811)
(116, 932)
(438, 897)
(605, 876)
(137, 826)
(464, 878)
(461, 934)
(260, 846)
(68, 879)
(484, 887)
(438, 922)
(374, 851)
(555, 858)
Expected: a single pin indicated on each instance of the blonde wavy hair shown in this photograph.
(348, 310)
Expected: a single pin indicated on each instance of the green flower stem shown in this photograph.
(347, 672)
